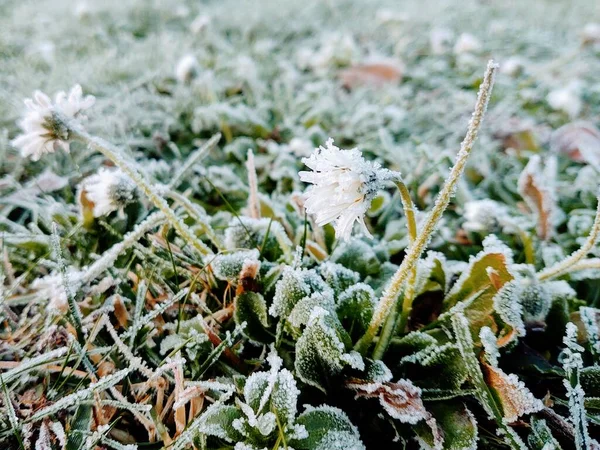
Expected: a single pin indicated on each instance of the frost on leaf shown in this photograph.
(303, 309)
(294, 285)
(358, 256)
(401, 400)
(541, 437)
(457, 428)
(515, 398)
(475, 290)
(321, 350)
(536, 186)
(338, 277)
(328, 428)
(250, 308)
(228, 267)
(573, 364)
(355, 307)
(507, 304)
(267, 234)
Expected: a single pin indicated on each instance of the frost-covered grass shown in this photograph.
(163, 286)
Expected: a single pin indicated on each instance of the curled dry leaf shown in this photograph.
(375, 74)
(536, 186)
(401, 400)
(580, 141)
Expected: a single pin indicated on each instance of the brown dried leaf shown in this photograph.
(536, 187)
(402, 400)
(376, 74)
(121, 312)
(580, 141)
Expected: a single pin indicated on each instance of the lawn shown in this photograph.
(309, 225)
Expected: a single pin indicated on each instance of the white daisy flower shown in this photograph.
(344, 184)
(41, 133)
(109, 190)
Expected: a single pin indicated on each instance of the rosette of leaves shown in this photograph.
(265, 415)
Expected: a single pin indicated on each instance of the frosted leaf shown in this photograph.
(507, 305)
(401, 400)
(357, 304)
(488, 339)
(537, 187)
(227, 267)
(572, 364)
(302, 310)
(354, 360)
(378, 372)
(541, 437)
(245, 232)
(294, 285)
(338, 277)
(43, 440)
(589, 317)
(328, 428)
(320, 351)
(358, 256)
(514, 396)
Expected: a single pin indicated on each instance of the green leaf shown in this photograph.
(250, 307)
(541, 437)
(457, 424)
(217, 421)
(358, 256)
(320, 351)
(355, 308)
(79, 428)
(328, 428)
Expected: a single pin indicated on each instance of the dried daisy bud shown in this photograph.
(187, 69)
(344, 184)
(580, 141)
(43, 132)
(109, 190)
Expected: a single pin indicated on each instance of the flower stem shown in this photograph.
(563, 266)
(114, 154)
(391, 323)
(390, 294)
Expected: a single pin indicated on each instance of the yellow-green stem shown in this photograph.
(390, 294)
(563, 266)
(389, 329)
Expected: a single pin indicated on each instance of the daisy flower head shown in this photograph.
(343, 186)
(41, 131)
(109, 190)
